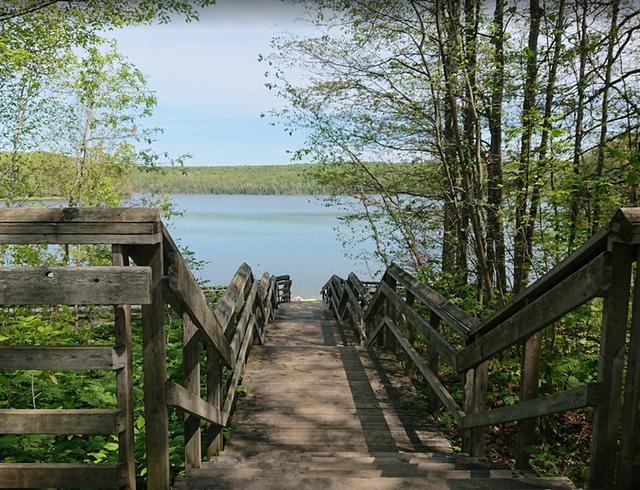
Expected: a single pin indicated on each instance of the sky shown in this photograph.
(210, 84)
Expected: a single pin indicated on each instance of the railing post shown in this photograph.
(391, 313)
(191, 366)
(627, 476)
(475, 401)
(606, 415)
(529, 379)
(213, 437)
(155, 376)
(434, 360)
(411, 332)
(124, 377)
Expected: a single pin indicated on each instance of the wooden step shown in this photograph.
(348, 457)
(296, 482)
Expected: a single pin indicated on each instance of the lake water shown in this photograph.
(292, 235)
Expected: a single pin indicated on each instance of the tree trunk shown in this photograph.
(495, 226)
(531, 349)
(574, 206)
(520, 259)
(602, 144)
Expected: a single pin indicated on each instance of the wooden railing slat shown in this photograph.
(583, 396)
(359, 287)
(578, 259)
(459, 319)
(431, 378)
(178, 396)
(75, 285)
(191, 368)
(61, 475)
(194, 302)
(238, 370)
(79, 215)
(124, 376)
(61, 421)
(434, 337)
(242, 328)
(59, 358)
(232, 298)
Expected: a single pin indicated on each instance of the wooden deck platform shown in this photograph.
(321, 413)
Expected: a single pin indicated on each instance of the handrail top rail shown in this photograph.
(446, 310)
(624, 224)
(80, 215)
(579, 258)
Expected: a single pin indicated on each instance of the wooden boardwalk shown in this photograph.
(321, 413)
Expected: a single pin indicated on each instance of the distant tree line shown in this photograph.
(235, 179)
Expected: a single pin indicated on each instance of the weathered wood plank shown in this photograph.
(191, 368)
(429, 376)
(374, 303)
(584, 396)
(377, 330)
(187, 290)
(62, 228)
(238, 371)
(124, 377)
(75, 285)
(475, 401)
(606, 416)
(334, 296)
(178, 396)
(630, 415)
(359, 288)
(61, 421)
(578, 259)
(61, 475)
(233, 297)
(60, 358)
(242, 328)
(435, 338)
(79, 215)
(583, 285)
(451, 314)
(92, 239)
(154, 367)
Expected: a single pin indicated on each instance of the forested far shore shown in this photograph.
(236, 179)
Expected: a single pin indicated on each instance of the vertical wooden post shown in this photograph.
(155, 377)
(628, 476)
(213, 432)
(606, 415)
(124, 378)
(475, 400)
(191, 365)
(434, 361)
(391, 313)
(411, 334)
(529, 378)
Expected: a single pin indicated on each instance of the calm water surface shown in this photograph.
(281, 234)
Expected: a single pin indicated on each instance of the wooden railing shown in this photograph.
(159, 278)
(602, 267)
(283, 288)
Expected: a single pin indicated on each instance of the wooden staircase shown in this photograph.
(322, 413)
(327, 405)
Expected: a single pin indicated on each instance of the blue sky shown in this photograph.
(210, 85)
